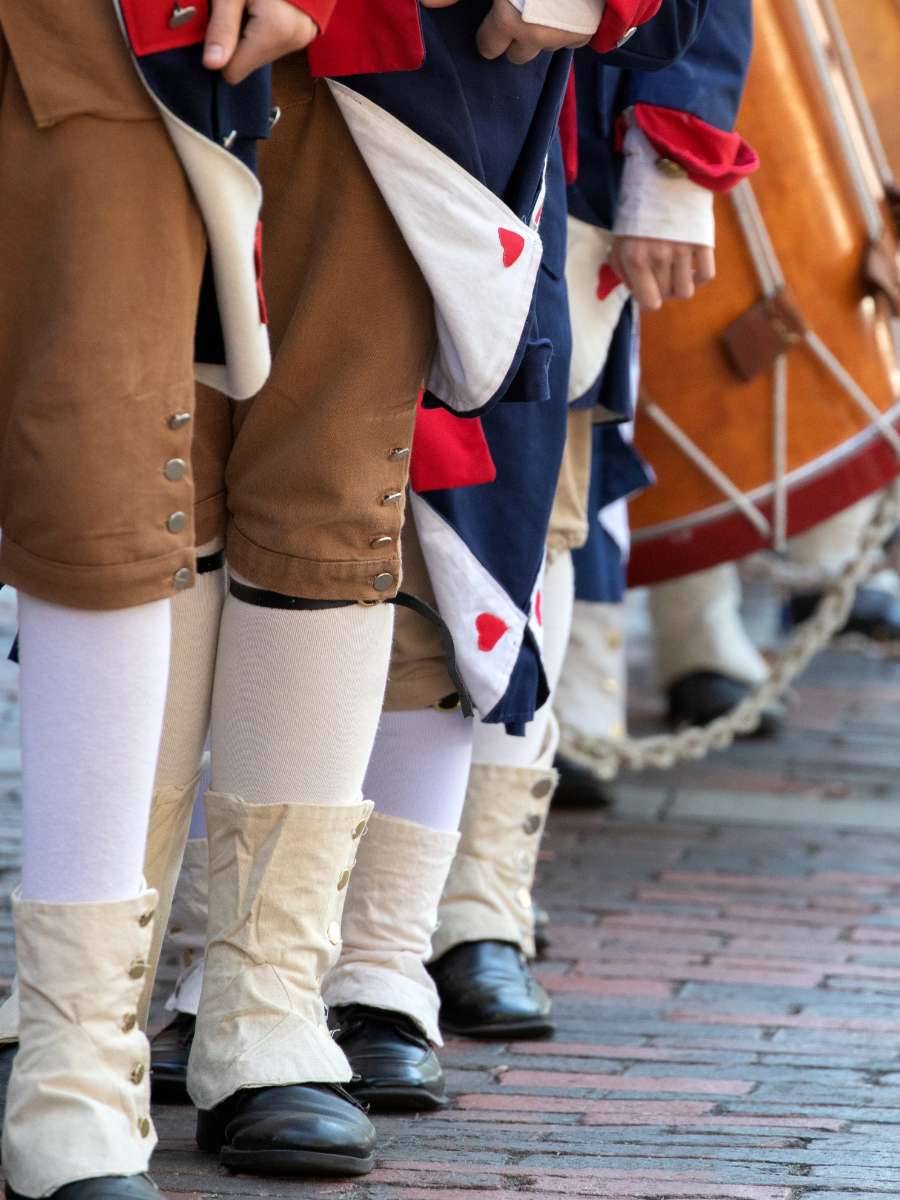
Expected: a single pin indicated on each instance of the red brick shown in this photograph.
(626, 1083)
(791, 1021)
(603, 987)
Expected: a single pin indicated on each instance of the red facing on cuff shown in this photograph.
(319, 10)
(367, 36)
(619, 17)
(712, 158)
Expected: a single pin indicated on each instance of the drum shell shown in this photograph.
(818, 228)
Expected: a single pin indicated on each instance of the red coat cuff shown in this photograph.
(319, 10)
(619, 18)
(713, 158)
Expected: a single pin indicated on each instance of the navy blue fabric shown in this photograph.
(504, 523)
(707, 81)
(617, 470)
(207, 103)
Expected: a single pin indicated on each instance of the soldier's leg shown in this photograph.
(97, 345)
(312, 542)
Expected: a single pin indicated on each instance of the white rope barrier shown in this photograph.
(606, 758)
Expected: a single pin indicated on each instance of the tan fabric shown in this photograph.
(277, 884)
(390, 915)
(351, 321)
(418, 673)
(170, 820)
(101, 254)
(568, 519)
(488, 890)
(9, 1015)
(79, 1096)
(187, 926)
(592, 690)
(697, 626)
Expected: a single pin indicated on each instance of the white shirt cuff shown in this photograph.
(577, 16)
(655, 205)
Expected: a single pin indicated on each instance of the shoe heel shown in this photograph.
(210, 1131)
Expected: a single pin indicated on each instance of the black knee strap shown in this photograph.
(266, 599)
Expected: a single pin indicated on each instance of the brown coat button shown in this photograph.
(381, 583)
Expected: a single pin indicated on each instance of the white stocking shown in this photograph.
(296, 701)
(419, 769)
(93, 691)
(196, 616)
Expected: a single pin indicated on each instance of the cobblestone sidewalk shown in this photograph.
(726, 975)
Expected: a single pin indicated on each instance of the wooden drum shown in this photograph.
(770, 401)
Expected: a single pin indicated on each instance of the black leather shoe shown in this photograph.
(875, 614)
(487, 991)
(297, 1129)
(103, 1187)
(701, 697)
(397, 1069)
(578, 787)
(541, 929)
(7, 1053)
(170, 1050)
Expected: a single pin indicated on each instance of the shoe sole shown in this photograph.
(399, 1099)
(521, 1031)
(294, 1162)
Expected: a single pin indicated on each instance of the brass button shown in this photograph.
(176, 522)
(629, 33)
(671, 169)
(137, 1074)
(175, 469)
(610, 685)
(145, 918)
(334, 933)
(323, 1029)
(614, 639)
(524, 862)
(179, 420)
(318, 982)
(523, 897)
(384, 540)
(392, 498)
(532, 823)
(274, 117)
(343, 880)
(181, 16)
(542, 788)
(137, 968)
(181, 578)
(128, 1022)
(617, 729)
(399, 452)
(382, 582)
(144, 1126)
(229, 139)
(359, 830)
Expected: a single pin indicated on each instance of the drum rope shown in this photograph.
(850, 145)
(606, 758)
(706, 465)
(854, 83)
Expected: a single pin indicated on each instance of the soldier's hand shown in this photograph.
(503, 31)
(656, 270)
(246, 34)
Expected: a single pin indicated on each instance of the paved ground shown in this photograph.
(726, 974)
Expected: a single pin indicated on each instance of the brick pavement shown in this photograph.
(726, 975)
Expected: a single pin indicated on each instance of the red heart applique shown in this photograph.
(537, 608)
(513, 244)
(490, 630)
